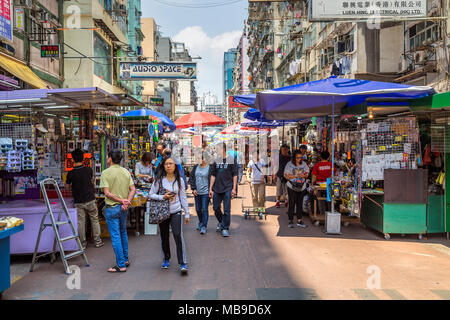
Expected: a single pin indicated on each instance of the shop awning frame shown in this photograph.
(65, 98)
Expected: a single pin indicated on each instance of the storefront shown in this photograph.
(38, 130)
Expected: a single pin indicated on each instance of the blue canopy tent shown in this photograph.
(248, 99)
(261, 124)
(328, 96)
(320, 98)
(146, 112)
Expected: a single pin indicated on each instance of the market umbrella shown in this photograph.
(200, 118)
(164, 119)
(247, 99)
(320, 98)
(231, 129)
(261, 124)
(152, 114)
(328, 96)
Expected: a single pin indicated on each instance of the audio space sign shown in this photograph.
(142, 71)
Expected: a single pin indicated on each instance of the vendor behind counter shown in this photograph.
(144, 168)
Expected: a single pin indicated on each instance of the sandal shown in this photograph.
(127, 264)
(117, 269)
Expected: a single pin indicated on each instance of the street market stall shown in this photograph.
(38, 131)
(329, 97)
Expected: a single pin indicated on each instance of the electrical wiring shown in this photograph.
(198, 5)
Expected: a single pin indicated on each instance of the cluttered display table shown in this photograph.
(342, 191)
(9, 226)
(31, 212)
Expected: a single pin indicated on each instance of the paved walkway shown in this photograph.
(263, 259)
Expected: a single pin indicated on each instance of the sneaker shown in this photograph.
(165, 264)
(277, 204)
(225, 233)
(101, 244)
(286, 203)
(184, 268)
(291, 224)
(219, 227)
(203, 230)
(199, 226)
(301, 224)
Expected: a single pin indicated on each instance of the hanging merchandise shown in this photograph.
(14, 163)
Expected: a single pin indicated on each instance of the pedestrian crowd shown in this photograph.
(215, 181)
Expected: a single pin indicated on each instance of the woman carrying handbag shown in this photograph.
(169, 186)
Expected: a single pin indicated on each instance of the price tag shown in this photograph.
(399, 139)
(382, 148)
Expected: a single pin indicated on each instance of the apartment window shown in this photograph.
(423, 33)
(102, 65)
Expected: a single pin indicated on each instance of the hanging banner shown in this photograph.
(142, 71)
(20, 18)
(326, 10)
(6, 24)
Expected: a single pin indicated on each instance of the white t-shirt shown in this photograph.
(257, 170)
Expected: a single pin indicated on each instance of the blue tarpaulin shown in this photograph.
(316, 98)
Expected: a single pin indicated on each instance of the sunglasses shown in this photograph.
(6, 146)
(21, 143)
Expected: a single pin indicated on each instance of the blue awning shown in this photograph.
(316, 98)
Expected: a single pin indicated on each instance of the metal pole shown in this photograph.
(283, 134)
(332, 152)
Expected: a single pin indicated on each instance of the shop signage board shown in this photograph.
(326, 10)
(142, 71)
(50, 51)
(6, 23)
(20, 16)
(156, 102)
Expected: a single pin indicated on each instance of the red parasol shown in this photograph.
(198, 118)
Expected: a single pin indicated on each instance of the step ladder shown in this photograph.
(55, 224)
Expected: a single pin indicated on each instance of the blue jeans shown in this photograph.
(240, 172)
(225, 218)
(201, 206)
(116, 219)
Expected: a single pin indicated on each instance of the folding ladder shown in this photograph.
(56, 224)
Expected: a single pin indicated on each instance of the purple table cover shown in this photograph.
(31, 212)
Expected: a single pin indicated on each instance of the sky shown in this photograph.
(207, 32)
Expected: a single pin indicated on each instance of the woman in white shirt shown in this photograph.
(170, 179)
(144, 168)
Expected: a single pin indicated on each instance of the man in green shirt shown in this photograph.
(119, 190)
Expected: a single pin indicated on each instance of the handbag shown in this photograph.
(158, 209)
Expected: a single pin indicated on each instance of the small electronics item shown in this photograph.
(5, 144)
(21, 144)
